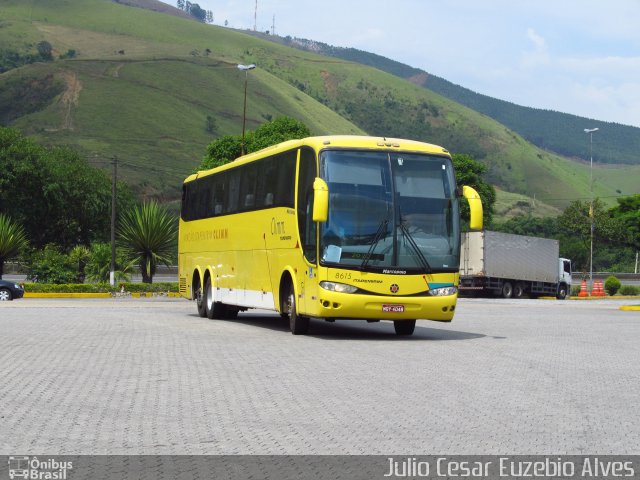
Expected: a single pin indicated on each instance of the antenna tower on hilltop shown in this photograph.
(255, 17)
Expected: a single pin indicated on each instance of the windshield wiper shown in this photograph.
(382, 229)
(415, 247)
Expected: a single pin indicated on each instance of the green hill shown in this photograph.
(154, 89)
(559, 132)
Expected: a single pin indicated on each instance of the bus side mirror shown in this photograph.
(475, 206)
(320, 200)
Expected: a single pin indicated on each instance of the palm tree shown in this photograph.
(98, 267)
(148, 234)
(12, 240)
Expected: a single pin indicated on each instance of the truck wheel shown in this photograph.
(562, 292)
(404, 327)
(518, 290)
(507, 290)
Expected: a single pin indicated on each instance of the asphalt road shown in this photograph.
(148, 376)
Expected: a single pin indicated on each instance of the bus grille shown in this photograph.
(182, 286)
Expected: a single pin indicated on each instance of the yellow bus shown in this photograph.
(334, 227)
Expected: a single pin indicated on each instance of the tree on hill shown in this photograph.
(193, 9)
(198, 12)
(44, 50)
(229, 147)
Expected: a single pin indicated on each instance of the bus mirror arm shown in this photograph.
(475, 207)
(320, 200)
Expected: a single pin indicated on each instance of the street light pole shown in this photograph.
(114, 193)
(590, 132)
(246, 69)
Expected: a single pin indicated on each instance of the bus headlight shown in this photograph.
(443, 292)
(338, 287)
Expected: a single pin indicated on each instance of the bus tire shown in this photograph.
(215, 310)
(297, 324)
(404, 327)
(202, 308)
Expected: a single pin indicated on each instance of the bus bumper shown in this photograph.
(374, 307)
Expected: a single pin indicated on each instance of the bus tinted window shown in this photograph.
(266, 183)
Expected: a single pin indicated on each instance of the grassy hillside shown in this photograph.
(143, 83)
(149, 105)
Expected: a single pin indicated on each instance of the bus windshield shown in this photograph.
(390, 211)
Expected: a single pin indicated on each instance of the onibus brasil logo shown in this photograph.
(38, 469)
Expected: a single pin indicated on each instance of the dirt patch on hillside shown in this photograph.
(420, 79)
(70, 98)
(330, 83)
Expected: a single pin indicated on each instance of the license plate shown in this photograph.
(393, 308)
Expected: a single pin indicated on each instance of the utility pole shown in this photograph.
(112, 273)
(591, 212)
(273, 25)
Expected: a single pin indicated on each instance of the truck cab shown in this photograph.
(564, 278)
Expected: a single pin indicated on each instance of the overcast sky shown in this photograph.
(574, 56)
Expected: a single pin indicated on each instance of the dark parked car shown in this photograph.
(10, 290)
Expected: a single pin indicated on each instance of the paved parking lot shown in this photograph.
(148, 376)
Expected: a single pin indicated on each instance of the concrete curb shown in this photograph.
(615, 297)
(635, 308)
(66, 295)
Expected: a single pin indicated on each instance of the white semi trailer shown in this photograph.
(507, 265)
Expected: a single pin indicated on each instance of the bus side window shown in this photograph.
(231, 205)
(286, 172)
(306, 225)
(219, 195)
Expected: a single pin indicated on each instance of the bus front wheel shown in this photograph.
(404, 327)
(297, 324)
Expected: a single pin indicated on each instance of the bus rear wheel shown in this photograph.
(404, 327)
(215, 310)
(297, 324)
(200, 303)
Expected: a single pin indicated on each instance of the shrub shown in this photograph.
(612, 285)
(50, 265)
(629, 290)
(101, 287)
